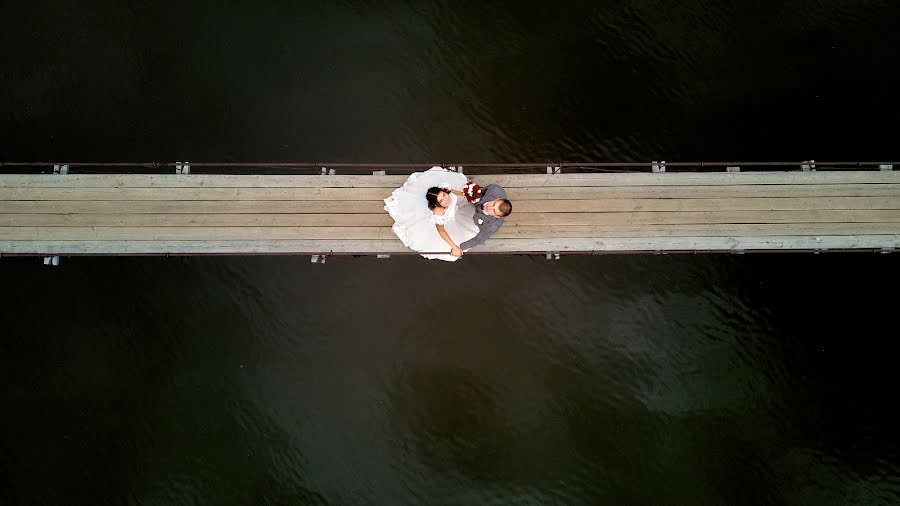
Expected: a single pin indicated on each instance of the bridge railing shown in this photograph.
(406, 168)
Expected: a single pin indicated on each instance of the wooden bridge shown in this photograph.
(590, 213)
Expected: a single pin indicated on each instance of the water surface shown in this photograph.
(666, 379)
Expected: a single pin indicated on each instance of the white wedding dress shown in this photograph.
(414, 223)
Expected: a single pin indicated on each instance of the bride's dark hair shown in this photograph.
(432, 196)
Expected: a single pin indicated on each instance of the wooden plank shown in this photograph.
(558, 233)
(191, 233)
(737, 204)
(197, 181)
(382, 219)
(691, 179)
(723, 191)
(186, 206)
(527, 206)
(301, 246)
(184, 220)
(304, 246)
(627, 244)
(696, 230)
(636, 218)
(133, 194)
(515, 194)
(506, 180)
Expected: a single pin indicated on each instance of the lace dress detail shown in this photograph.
(414, 223)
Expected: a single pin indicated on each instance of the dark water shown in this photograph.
(756, 379)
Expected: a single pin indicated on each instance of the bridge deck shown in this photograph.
(119, 214)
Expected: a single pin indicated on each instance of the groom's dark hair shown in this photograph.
(505, 208)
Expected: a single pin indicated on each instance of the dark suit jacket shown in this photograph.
(489, 224)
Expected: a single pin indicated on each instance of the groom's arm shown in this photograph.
(486, 231)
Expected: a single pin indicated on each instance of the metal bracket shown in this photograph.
(456, 168)
(808, 166)
(378, 173)
(62, 170)
(554, 170)
(182, 167)
(325, 171)
(552, 255)
(885, 251)
(382, 256)
(885, 167)
(317, 259)
(658, 167)
(51, 260)
(732, 169)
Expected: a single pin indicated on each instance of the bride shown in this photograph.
(431, 214)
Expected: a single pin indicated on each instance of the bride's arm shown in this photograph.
(454, 249)
(446, 187)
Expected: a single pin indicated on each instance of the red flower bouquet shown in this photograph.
(472, 192)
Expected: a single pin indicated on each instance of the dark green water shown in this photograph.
(755, 379)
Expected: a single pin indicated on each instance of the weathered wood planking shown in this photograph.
(517, 194)
(382, 219)
(249, 214)
(393, 181)
(362, 246)
(511, 232)
(374, 206)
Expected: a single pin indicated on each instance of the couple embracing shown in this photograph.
(441, 214)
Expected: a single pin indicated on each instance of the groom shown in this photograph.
(489, 215)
